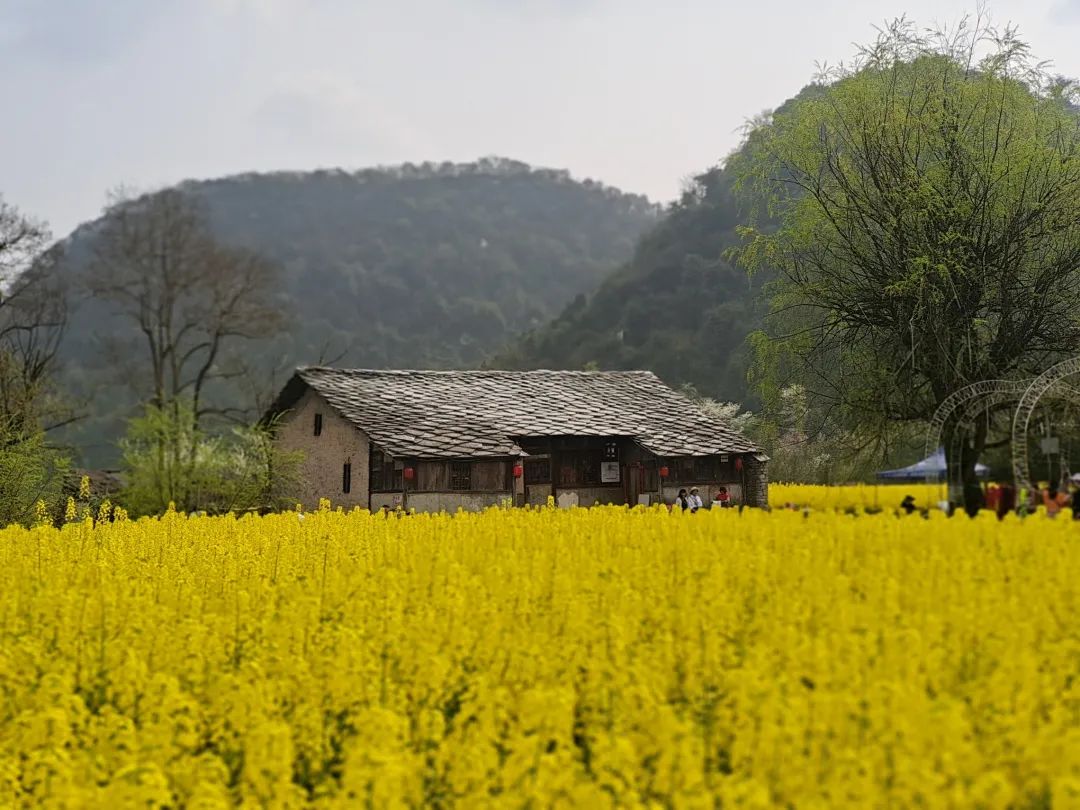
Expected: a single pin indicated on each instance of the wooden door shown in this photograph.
(632, 475)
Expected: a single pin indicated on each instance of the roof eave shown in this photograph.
(294, 389)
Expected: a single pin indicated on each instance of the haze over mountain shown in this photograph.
(430, 266)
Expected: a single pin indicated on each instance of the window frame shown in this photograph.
(531, 466)
(697, 469)
(384, 473)
(456, 476)
(585, 466)
(346, 477)
(318, 426)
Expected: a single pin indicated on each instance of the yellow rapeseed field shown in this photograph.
(581, 658)
(856, 497)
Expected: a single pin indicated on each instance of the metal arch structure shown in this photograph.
(1010, 389)
(965, 405)
(1061, 392)
(969, 412)
(1035, 391)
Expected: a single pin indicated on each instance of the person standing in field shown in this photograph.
(694, 500)
(682, 500)
(1006, 500)
(722, 498)
(1053, 500)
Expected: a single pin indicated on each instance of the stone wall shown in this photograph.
(440, 501)
(325, 455)
(594, 496)
(537, 494)
(757, 482)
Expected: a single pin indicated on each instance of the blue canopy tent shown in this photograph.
(932, 467)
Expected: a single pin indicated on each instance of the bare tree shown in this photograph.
(22, 239)
(194, 302)
(33, 314)
(191, 298)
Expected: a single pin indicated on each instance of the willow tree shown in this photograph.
(923, 210)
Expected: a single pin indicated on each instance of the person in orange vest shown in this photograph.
(1053, 500)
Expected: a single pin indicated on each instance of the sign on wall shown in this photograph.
(609, 472)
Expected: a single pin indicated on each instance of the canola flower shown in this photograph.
(856, 497)
(546, 658)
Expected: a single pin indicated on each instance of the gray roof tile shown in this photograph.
(477, 413)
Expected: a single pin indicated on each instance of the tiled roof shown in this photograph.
(447, 414)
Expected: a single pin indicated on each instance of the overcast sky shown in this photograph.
(636, 93)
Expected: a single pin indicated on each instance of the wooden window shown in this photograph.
(475, 476)
(579, 467)
(489, 476)
(346, 478)
(318, 424)
(650, 476)
(590, 468)
(695, 468)
(611, 451)
(385, 475)
(537, 471)
(460, 475)
(432, 476)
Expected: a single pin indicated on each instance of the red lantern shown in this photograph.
(408, 473)
(518, 470)
(664, 472)
(738, 463)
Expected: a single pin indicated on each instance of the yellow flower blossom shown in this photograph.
(604, 657)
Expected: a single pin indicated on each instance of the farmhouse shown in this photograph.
(440, 440)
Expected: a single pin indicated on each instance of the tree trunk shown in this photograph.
(960, 461)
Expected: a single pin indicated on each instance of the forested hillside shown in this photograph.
(430, 266)
(679, 307)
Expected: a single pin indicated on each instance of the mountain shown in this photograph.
(429, 266)
(678, 307)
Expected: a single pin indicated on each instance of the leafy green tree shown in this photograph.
(240, 471)
(31, 471)
(928, 208)
(807, 446)
(730, 413)
(802, 447)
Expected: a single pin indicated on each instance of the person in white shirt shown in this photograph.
(695, 501)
